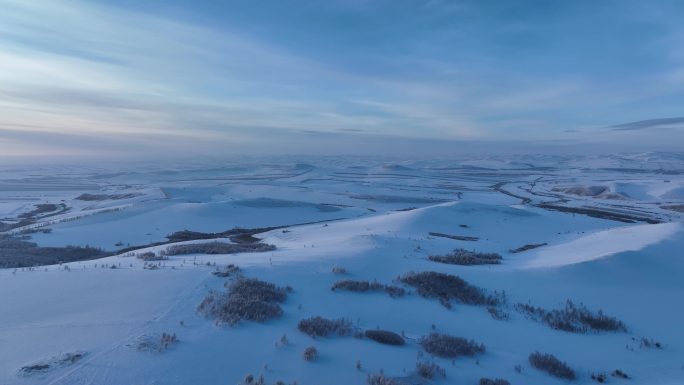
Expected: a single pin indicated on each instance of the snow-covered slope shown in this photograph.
(87, 320)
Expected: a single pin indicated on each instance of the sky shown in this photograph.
(154, 78)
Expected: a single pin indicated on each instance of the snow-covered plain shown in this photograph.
(372, 217)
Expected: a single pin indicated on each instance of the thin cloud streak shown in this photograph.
(431, 71)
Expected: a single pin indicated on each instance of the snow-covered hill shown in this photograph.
(109, 320)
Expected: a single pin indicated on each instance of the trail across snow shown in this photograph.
(602, 244)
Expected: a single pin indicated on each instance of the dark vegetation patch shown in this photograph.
(56, 362)
(498, 313)
(526, 247)
(617, 373)
(323, 327)
(407, 209)
(396, 199)
(41, 208)
(381, 379)
(271, 203)
(156, 343)
(455, 237)
(366, 286)
(151, 256)
(7, 226)
(467, 258)
(227, 271)
(236, 235)
(596, 213)
(550, 364)
(493, 381)
(446, 287)
(599, 377)
(573, 318)
(246, 299)
(648, 343)
(385, 337)
(18, 252)
(310, 354)
(446, 346)
(429, 370)
(217, 248)
(679, 208)
(102, 197)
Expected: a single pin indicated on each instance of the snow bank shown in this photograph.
(603, 243)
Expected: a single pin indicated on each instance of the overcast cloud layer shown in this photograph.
(154, 78)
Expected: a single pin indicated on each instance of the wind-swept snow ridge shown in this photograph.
(602, 244)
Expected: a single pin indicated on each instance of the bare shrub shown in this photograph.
(156, 342)
(572, 318)
(599, 377)
(365, 286)
(166, 340)
(151, 256)
(323, 327)
(101, 197)
(495, 381)
(227, 271)
(467, 258)
(429, 370)
(381, 379)
(357, 286)
(247, 299)
(526, 247)
(385, 337)
(446, 346)
(217, 248)
(310, 354)
(56, 362)
(620, 374)
(550, 364)
(446, 287)
(649, 343)
(498, 314)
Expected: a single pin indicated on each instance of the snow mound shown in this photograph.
(602, 244)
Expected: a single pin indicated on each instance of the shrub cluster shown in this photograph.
(498, 314)
(429, 370)
(446, 287)
(364, 286)
(228, 271)
(217, 248)
(446, 346)
(151, 256)
(310, 353)
(599, 377)
(495, 381)
(323, 327)
(381, 379)
(247, 299)
(526, 247)
(101, 197)
(17, 252)
(467, 257)
(572, 318)
(56, 362)
(385, 337)
(620, 374)
(550, 364)
(649, 343)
